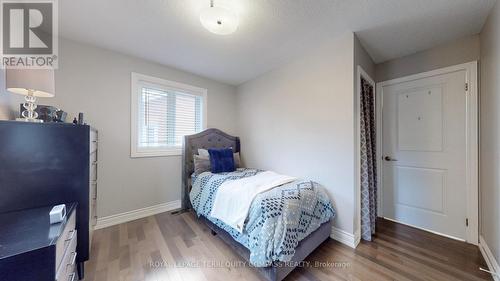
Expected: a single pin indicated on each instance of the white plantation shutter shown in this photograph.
(164, 116)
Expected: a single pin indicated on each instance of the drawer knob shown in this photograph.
(71, 234)
(73, 259)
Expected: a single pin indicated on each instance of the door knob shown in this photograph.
(388, 158)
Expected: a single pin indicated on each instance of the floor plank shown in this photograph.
(181, 248)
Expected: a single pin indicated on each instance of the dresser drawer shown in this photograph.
(93, 157)
(67, 236)
(93, 191)
(68, 262)
(93, 212)
(72, 275)
(93, 141)
(93, 172)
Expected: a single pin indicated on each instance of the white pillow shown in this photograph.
(203, 153)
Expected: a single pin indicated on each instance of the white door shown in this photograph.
(424, 153)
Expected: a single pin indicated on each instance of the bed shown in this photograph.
(274, 261)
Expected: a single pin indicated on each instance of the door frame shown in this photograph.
(472, 145)
(361, 73)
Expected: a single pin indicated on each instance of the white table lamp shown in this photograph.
(31, 83)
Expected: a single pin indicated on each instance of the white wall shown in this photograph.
(363, 59)
(97, 82)
(459, 51)
(299, 120)
(5, 100)
(490, 132)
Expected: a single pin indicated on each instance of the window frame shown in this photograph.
(137, 80)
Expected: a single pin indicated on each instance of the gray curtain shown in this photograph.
(368, 161)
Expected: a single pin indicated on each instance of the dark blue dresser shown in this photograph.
(33, 249)
(47, 164)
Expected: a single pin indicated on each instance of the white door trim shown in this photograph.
(357, 193)
(472, 232)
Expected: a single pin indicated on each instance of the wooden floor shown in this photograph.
(178, 247)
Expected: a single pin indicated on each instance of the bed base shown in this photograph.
(281, 270)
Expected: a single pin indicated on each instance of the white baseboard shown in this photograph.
(137, 214)
(357, 238)
(489, 258)
(345, 237)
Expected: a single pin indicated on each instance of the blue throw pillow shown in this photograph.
(221, 160)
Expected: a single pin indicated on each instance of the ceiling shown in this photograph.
(271, 32)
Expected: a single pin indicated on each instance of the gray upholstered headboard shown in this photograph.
(210, 138)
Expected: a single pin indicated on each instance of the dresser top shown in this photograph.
(26, 230)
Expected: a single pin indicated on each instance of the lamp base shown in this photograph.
(30, 120)
(30, 115)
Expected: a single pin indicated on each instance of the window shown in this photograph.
(163, 112)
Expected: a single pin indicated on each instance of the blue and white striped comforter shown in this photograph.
(278, 219)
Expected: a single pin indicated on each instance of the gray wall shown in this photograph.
(97, 82)
(5, 100)
(490, 132)
(456, 52)
(298, 120)
(363, 59)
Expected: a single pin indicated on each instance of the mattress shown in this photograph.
(278, 219)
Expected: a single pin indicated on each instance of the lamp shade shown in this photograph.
(40, 82)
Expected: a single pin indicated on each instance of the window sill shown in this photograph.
(156, 153)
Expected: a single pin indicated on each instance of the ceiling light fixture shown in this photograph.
(219, 20)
